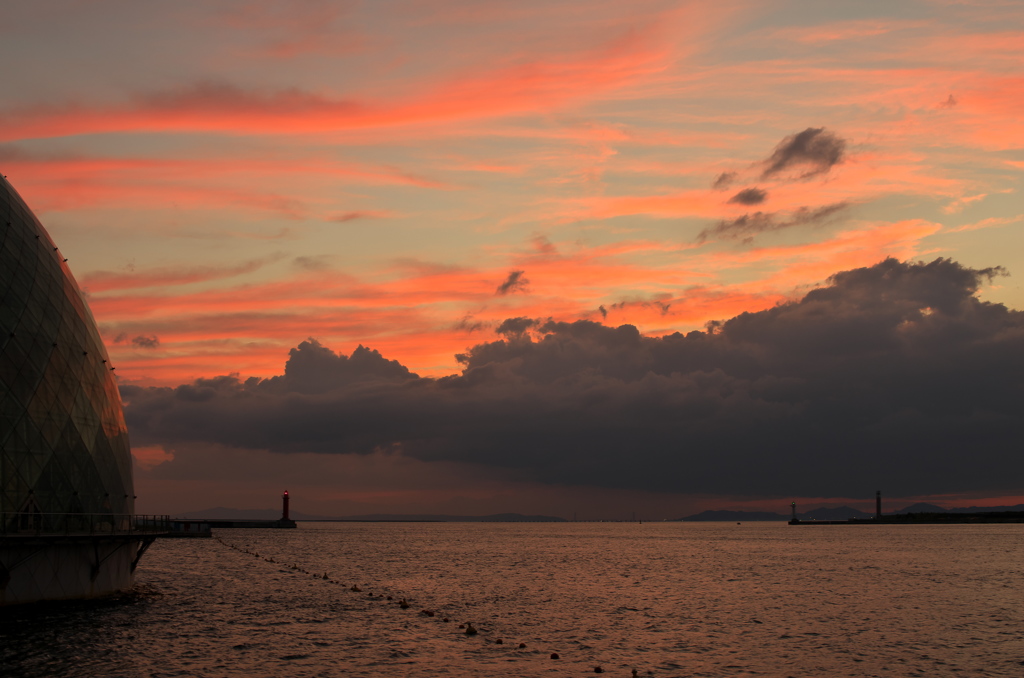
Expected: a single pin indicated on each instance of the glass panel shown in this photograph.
(62, 444)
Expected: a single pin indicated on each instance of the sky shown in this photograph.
(548, 257)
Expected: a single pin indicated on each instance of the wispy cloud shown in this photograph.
(813, 151)
(749, 225)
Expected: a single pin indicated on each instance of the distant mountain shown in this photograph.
(223, 513)
(840, 513)
(738, 516)
(921, 507)
(442, 518)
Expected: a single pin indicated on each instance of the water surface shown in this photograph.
(666, 599)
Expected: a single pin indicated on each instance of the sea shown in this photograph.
(548, 599)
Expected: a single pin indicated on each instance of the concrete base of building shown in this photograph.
(67, 567)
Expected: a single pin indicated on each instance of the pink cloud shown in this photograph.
(71, 182)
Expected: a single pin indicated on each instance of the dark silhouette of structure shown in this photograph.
(67, 502)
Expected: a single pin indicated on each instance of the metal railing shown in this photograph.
(31, 523)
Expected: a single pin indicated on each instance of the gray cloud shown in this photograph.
(663, 307)
(749, 225)
(469, 324)
(142, 341)
(724, 181)
(815, 149)
(893, 377)
(749, 196)
(314, 368)
(515, 282)
(319, 262)
(515, 327)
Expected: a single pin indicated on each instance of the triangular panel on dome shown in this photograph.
(59, 405)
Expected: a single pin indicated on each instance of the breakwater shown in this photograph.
(986, 517)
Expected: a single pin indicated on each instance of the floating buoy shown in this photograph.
(522, 646)
(470, 631)
(598, 669)
(389, 597)
(554, 655)
(429, 613)
(634, 673)
(402, 604)
(499, 641)
(356, 589)
(445, 620)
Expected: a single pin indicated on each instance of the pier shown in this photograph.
(922, 518)
(202, 527)
(986, 517)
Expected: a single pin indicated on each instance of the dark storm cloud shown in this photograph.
(515, 327)
(815, 149)
(749, 196)
(515, 282)
(893, 377)
(313, 368)
(749, 225)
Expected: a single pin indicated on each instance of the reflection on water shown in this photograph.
(667, 599)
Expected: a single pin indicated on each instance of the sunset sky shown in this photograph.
(229, 180)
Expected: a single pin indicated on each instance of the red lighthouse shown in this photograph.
(284, 505)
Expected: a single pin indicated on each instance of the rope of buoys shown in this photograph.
(403, 604)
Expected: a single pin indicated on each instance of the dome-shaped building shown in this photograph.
(66, 496)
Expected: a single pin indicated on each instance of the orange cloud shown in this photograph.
(422, 314)
(69, 182)
(103, 281)
(532, 86)
(991, 222)
(148, 458)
